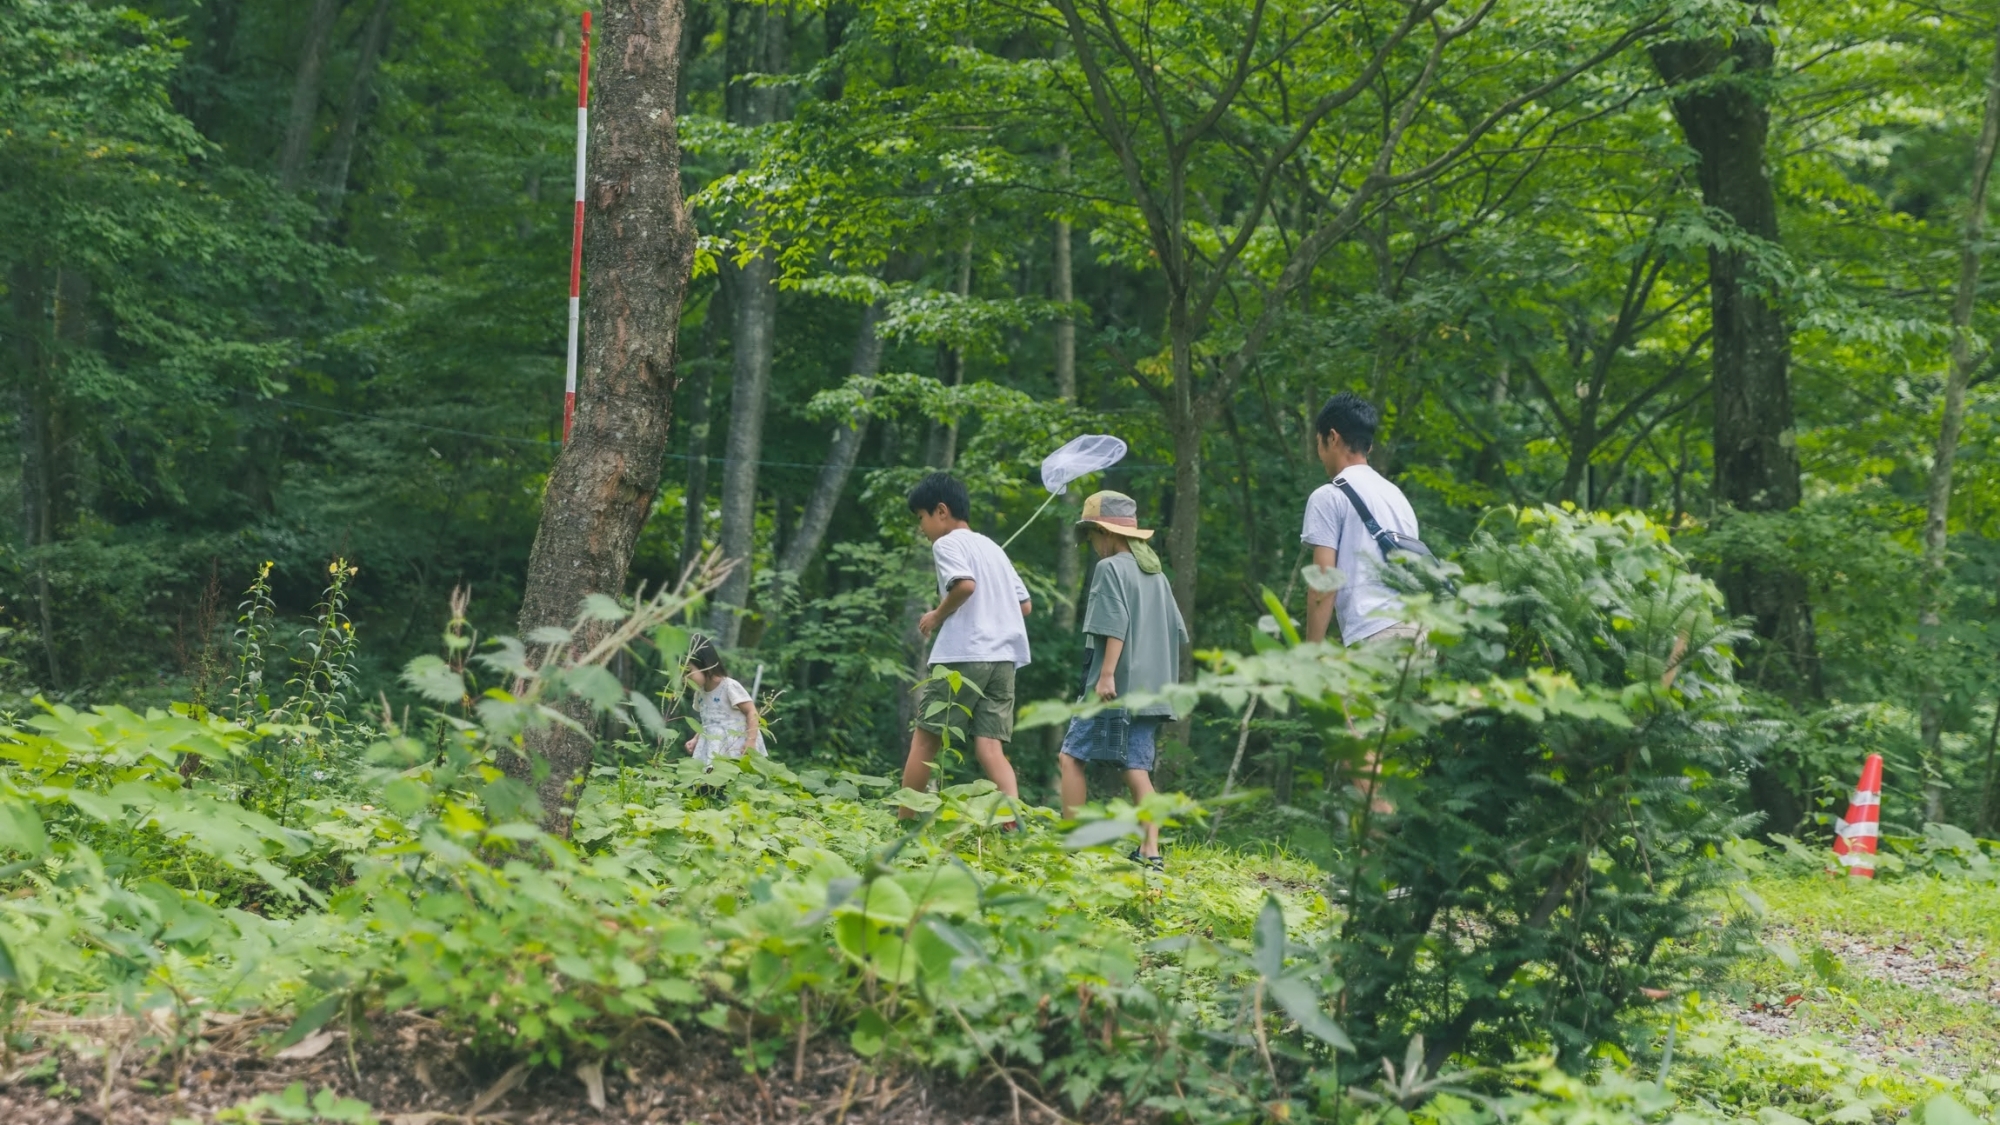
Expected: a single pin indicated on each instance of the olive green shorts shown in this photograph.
(986, 689)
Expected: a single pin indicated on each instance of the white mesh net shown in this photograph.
(1080, 458)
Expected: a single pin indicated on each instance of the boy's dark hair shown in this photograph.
(942, 488)
(1352, 417)
(702, 657)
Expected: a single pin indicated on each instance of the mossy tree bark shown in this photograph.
(639, 243)
(1723, 113)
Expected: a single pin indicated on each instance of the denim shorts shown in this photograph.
(1117, 738)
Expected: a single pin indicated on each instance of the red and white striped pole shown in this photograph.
(576, 230)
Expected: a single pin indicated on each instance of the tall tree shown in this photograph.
(305, 92)
(1069, 565)
(1721, 104)
(757, 49)
(699, 424)
(40, 440)
(841, 453)
(360, 89)
(639, 247)
(941, 448)
(1964, 361)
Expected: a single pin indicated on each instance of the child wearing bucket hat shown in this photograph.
(1136, 637)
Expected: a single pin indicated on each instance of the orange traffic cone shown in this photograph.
(1854, 834)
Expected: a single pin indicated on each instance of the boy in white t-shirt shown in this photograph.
(980, 635)
(1368, 609)
(725, 714)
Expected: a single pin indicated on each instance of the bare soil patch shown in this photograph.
(413, 1071)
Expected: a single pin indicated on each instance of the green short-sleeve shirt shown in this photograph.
(1137, 608)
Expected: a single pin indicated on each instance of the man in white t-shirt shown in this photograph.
(981, 636)
(1367, 608)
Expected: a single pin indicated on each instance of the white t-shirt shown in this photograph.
(989, 626)
(723, 725)
(1365, 605)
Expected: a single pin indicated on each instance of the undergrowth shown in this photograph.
(1484, 949)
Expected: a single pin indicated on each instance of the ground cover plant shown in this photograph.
(176, 885)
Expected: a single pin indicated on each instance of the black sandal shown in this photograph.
(1156, 862)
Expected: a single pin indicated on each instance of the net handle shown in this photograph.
(1031, 519)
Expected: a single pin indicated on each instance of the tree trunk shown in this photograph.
(1756, 458)
(1069, 557)
(694, 519)
(1726, 122)
(373, 37)
(1989, 791)
(638, 250)
(199, 94)
(941, 451)
(1069, 564)
(1253, 555)
(30, 317)
(1188, 417)
(840, 455)
(305, 93)
(760, 48)
(753, 293)
(1962, 364)
(1185, 423)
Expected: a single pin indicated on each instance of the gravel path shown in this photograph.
(1952, 969)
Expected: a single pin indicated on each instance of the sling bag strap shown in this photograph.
(1385, 540)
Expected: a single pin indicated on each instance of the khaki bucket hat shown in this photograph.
(1114, 512)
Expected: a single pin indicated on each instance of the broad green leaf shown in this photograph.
(435, 680)
(1947, 1109)
(1302, 1002)
(947, 889)
(21, 828)
(870, 1032)
(1100, 832)
(312, 1017)
(594, 685)
(886, 900)
(915, 801)
(1268, 940)
(1279, 617)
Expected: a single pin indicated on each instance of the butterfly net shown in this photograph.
(1086, 455)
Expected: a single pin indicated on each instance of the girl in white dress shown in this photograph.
(725, 714)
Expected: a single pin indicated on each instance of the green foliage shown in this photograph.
(293, 1105)
(203, 367)
(769, 903)
(1573, 853)
(1557, 788)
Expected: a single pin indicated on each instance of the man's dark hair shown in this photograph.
(942, 488)
(702, 657)
(1352, 417)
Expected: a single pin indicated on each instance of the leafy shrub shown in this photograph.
(1540, 870)
(1558, 777)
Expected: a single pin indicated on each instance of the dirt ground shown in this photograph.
(412, 1072)
(1955, 970)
